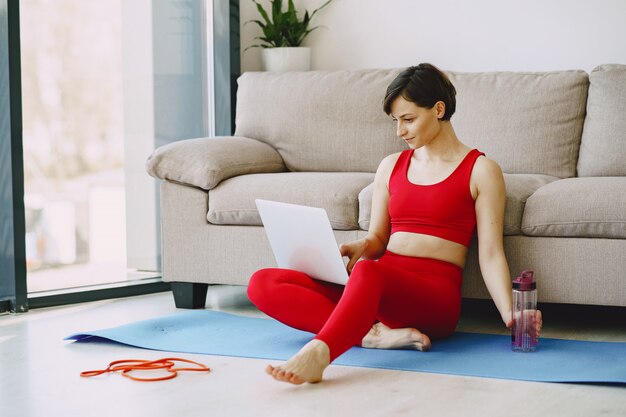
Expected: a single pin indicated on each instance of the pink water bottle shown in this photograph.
(524, 335)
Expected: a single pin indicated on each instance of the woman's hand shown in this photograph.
(537, 321)
(353, 250)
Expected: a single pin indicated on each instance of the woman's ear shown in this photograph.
(440, 106)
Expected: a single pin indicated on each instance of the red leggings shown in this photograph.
(399, 291)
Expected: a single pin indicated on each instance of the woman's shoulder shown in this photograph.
(388, 162)
(391, 158)
(385, 168)
(486, 165)
(486, 172)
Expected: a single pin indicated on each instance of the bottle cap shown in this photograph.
(525, 281)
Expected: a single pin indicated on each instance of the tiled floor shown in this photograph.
(40, 373)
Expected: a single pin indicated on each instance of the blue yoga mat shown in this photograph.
(471, 354)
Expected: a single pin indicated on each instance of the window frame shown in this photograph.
(13, 295)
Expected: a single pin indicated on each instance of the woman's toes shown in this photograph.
(277, 371)
(422, 347)
(422, 341)
(295, 379)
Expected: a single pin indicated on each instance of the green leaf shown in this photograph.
(284, 28)
(277, 6)
(306, 33)
(254, 46)
(291, 9)
(320, 8)
(258, 22)
(263, 13)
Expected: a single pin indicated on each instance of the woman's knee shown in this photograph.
(260, 284)
(264, 283)
(365, 271)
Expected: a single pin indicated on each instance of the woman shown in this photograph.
(406, 286)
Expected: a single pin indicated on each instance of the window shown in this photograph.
(103, 84)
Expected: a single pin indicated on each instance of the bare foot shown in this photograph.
(383, 337)
(305, 366)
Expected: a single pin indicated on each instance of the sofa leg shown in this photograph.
(190, 295)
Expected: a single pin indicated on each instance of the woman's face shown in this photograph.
(418, 126)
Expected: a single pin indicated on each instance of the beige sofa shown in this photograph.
(316, 138)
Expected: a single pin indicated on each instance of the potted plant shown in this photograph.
(283, 33)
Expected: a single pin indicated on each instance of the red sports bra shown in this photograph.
(445, 209)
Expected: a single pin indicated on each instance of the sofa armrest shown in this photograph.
(205, 162)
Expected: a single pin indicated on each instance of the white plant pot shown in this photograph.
(287, 59)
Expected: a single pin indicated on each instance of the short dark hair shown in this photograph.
(424, 85)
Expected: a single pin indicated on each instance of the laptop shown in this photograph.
(302, 239)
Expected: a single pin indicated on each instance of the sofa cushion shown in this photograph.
(232, 201)
(578, 207)
(204, 162)
(333, 120)
(365, 206)
(603, 146)
(518, 188)
(319, 121)
(527, 122)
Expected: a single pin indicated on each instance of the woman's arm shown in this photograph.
(374, 244)
(488, 180)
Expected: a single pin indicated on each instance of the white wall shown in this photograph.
(461, 35)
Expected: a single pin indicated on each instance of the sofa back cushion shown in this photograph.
(587, 207)
(232, 201)
(603, 147)
(317, 120)
(333, 120)
(527, 122)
